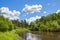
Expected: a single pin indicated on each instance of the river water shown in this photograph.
(35, 35)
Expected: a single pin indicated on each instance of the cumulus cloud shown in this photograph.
(32, 19)
(32, 8)
(12, 15)
(57, 11)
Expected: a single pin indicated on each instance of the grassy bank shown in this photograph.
(9, 36)
(12, 35)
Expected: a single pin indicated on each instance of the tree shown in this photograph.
(6, 24)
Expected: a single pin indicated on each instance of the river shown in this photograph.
(35, 35)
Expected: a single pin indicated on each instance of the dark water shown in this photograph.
(41, 35)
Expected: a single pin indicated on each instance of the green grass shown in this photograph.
(9, 36)
(19, 30)
(12, 35)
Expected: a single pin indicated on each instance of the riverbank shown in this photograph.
(9, 36)
(12, 35)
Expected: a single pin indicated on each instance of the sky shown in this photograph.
(28, 10)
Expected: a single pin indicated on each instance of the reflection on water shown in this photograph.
(42, 36)
(31, 36)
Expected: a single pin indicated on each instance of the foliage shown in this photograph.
(21, 23)
(9, 36)
(9, 28)
(47, 23)
(5, 24)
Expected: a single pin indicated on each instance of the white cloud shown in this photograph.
(32, 19)
(9, 14)
(57, 11)
(44, 12)
(32, 8)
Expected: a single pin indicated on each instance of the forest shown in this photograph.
(9, 29)
(50, 23)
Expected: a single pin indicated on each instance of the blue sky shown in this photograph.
(48, 6)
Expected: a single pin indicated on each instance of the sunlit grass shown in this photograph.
(12, 35)
(9, 36)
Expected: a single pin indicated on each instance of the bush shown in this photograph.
(6, 24)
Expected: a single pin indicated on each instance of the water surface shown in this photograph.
(35, 35)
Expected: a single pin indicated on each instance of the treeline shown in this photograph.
(9, 25)
(45, 23)
(49, 23)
